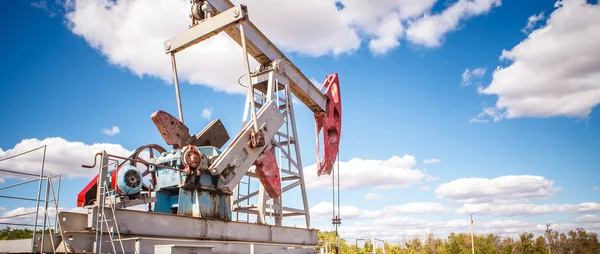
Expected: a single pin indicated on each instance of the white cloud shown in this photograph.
(431, 161)
(373, 195)
(512, 188)
(392, 173)
(425, 187)
(381, 22)
(416, 208)
(388, 34)
(207, 113)
(431, 29)
(112, 131)
(589, 218)
(487, 114)
(531, 21)
(472, 76)
(130, 34)
(527, 209)
(324, 210)
(596, 188)
(62, 156)
(554, 71)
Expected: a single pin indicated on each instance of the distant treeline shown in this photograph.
(576, 241)
(16, 233)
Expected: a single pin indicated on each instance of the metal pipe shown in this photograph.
(95, 161)
(19, 198)
(23, 153)
(57, 198)
(134, 160)
(176, 82)
(250, 87)
(16, 224)
(17, 184)
(18, 173)
(15, 216)
(37, 205)
(45, 215)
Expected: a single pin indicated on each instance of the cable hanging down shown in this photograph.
(336, 220)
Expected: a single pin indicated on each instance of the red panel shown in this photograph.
(268, 173)
(81, 197)
(331, 124)
(113, 180)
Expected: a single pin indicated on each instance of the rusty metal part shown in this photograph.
(173, 131)
(135, 160)
(192, 159)
(268, 173)
(214, 134)
(136, 155)
(331, 124)
(196, 11)
(257, 139)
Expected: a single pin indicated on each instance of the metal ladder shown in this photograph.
(111, 224)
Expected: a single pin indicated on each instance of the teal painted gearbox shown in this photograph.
(197, 197)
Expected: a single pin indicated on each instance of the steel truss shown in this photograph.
(250, 197)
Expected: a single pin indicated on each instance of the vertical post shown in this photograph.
(292, 118)
(37, 204)
(176, 83)
(45, 214)
(262, 201)
(100, 198)
(472, 242)
(138, 246)
(251, 248)
(373, 245)
(548, 237)
(57, 198)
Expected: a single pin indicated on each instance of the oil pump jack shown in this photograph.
(195, 188)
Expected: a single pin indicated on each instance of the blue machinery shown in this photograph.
(195, 197)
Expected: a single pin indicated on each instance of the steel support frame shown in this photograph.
(153, 229)
(273, 86)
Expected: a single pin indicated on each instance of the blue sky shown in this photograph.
(522, 137)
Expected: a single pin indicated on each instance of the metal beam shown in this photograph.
(209, 28)
(174, 226)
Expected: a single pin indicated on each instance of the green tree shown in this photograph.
(540, 245)
(525, 243)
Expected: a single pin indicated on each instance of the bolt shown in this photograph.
(236, 13)
(168, 46)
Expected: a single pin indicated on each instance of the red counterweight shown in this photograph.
(268, 173)
(331, 124)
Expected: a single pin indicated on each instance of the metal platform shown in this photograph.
(142, 232)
